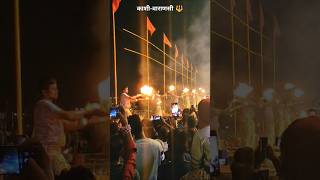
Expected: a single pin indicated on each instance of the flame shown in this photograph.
(172, 88)
(146, 90)
(185, 90)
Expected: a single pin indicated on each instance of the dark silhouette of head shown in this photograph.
(136, 126)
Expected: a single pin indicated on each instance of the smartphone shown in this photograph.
(114, 112)
(12, 160)
(175, 111)
(214, 151)
(155, 118)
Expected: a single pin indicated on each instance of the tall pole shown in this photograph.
(248, 42)
(233, 60)
(164, 74)
(175, 72)
(182, 70)
(148, 75)
(187, 74)
(115, 59)
(18, 67)
(274, 62)
(262, 66)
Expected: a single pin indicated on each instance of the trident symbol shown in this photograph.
(179, 8)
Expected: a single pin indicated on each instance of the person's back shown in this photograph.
(300, 147)
(148, 158)
(148, 151)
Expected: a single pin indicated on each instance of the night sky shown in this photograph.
(70, 40)
(62, 39)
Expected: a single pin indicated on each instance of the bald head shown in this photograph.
(204, 113)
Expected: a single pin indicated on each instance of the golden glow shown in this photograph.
(172, 88)
(185, 90)
(146, 90)
(194, 91)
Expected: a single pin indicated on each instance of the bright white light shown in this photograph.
(268, 94)
(203, 91)
(298, 93)
(289, 86)
(146, 90)
(194, 91)
(185, 90)
(243, 90)
(172, 88)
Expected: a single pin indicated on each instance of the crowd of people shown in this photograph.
(168, 148)
(171, 147)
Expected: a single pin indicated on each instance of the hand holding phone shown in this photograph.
(114, 112)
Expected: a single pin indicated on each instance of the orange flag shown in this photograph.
(115, 5)
(176, 51)
(166, 40)
(150, 26)
(261, 17)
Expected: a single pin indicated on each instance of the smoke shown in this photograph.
(197, 45)
(298, 45)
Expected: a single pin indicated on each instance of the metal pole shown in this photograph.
(148, 78)
(262, 66)
(233, 60)
(182, 70)
(115, 60)
(248, 43)
(164, 74)
(175, 72)
(18, 67)
(274, 62)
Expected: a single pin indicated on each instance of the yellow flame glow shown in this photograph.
(146, 90)
(172, 88)
(185, 90)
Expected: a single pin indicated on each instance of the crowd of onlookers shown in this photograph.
(166, 148)
(179, 148)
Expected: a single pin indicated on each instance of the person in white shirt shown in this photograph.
(200, 149)
(149, 151)
(125, 100)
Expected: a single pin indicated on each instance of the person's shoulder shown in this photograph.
(155, 143)
(42, 103)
